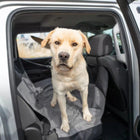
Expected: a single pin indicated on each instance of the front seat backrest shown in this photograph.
(101, 49)
(100, 46)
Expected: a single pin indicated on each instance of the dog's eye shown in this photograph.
(74, 44)
(57, 42)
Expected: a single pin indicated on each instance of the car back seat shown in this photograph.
(98, 87)
(33, 127)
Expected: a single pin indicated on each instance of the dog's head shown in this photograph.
(66, 46)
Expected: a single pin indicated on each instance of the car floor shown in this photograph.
(114, 128)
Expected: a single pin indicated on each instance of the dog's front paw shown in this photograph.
(53, 103)
(65, 127)
(72, 98)
(87, 115)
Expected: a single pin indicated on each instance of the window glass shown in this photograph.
(28, 48)
(109, 32)
(120, 42)
(89, 34)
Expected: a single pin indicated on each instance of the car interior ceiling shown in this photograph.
(115, 113)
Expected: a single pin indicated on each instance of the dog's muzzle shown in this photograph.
(63, 56)
(63, 60)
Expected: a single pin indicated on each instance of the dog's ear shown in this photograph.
(47, 39)
(37, 39)
(86, 43)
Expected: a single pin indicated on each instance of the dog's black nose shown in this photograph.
(63, 56)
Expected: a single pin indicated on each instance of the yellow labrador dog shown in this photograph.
(68, 69)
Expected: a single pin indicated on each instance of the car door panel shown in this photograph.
(129, 9)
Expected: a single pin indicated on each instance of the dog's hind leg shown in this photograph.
(54, 99)
(71, 97)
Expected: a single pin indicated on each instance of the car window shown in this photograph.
(120, 43)
(109, 32)
(89, 34)
(28, 48)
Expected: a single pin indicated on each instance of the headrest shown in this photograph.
(100, 45)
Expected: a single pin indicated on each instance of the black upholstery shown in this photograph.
(35, 126)
(101, 45)
(31, 125)
(25, 111)
(116, 69)
(118, 73)
(99, 59)
(102, 80)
